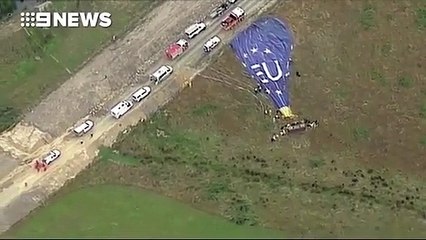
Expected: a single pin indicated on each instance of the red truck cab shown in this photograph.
(235, 16)
(176, 49)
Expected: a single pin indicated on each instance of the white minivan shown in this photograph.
(141, 94)
(195, 29)
(121, 108)
(161, 73)
(211, 43)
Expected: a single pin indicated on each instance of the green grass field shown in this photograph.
(36, 64)
(118, 211)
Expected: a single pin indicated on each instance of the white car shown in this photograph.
(211, 43)
(51, 157)
(195, 29)
(121, 108)
(161, 73)
(83, 128)
(140, 94)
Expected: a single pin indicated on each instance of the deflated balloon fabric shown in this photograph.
(264, 49)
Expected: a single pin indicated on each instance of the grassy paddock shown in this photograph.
(30, 70)
(114, 211)
(286, 186)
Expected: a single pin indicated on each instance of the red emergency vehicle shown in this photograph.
(176, 49)
(235, 16)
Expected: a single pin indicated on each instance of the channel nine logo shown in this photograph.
(65, 19)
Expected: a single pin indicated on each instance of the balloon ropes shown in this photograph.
(264, 49)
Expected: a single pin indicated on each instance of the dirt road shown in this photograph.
(88, 89)
(24, 188)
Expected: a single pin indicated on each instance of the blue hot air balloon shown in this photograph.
(264, 49)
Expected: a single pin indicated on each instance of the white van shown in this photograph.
(162, 73)
(121, 108)
(195, 29)
(141, 94)
(211, 43)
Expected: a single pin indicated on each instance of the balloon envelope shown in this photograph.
(265, 48)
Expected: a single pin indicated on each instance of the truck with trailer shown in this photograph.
(234, 17)
(219, 10)
(176, 49)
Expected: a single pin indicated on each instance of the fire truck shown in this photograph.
(176, 49)
(235, 16)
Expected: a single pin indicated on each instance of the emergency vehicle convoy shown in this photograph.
(173, 51)
(176, 49)
(234, 17)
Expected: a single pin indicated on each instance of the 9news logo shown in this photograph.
(66, 19)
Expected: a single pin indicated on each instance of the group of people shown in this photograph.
(91, 135)
(300, 125)
(40, 166)
(268, 112)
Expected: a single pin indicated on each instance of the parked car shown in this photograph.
(141, 93)
(51, 157)
(195, 29)
(83, 128)
(211, 44)
(161, 73)
(121, 108)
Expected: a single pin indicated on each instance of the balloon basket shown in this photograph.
(287, 113)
